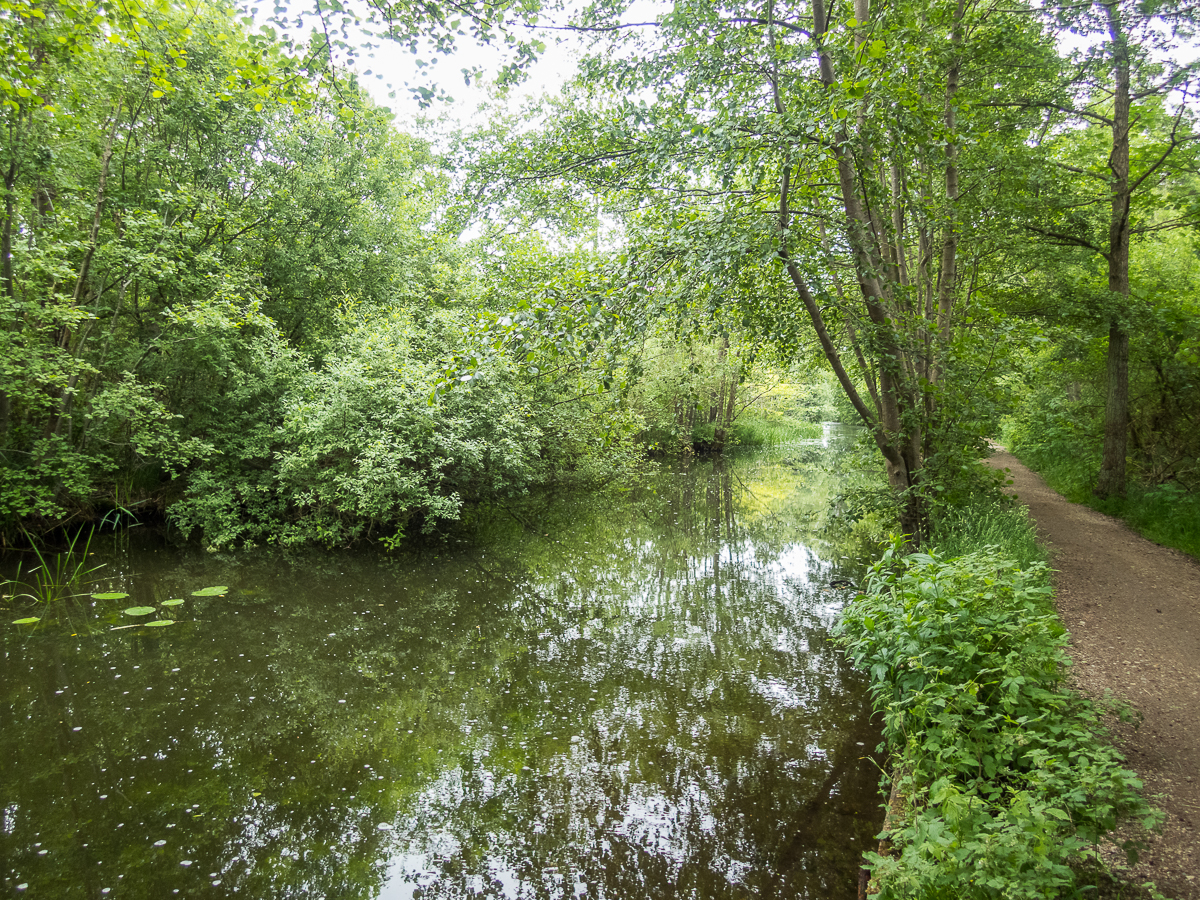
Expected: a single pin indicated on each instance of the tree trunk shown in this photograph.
(8, 287)
(1111, 482)
(948, 271)
(66, 338)
(1116, 409)
(898, 440)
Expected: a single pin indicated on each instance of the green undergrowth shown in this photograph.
(1165, 514)
(987, 522)
(754, 429)
(1008, 781)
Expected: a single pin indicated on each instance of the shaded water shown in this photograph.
(627, 695)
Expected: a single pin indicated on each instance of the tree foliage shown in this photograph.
(839, 173)
(228, 281)
(228, 291)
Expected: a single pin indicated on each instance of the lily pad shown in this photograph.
(174, 602)
(159, 623)
(139, 610)
(28, 621)
(110, 595)
(211, 591)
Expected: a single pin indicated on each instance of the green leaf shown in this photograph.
(110, 595)
(877, 49)
(159, 623)
(211, 591)
(28, 621)
(139, 610)
(174, 602)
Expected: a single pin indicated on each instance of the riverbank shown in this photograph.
(1132, 609)
(1004, 780)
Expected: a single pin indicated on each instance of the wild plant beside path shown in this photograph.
(1007, 781)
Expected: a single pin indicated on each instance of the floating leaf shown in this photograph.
(211, 591)
(28, 621)
(139, 610)
(110, 595)
(175, 602)
(159, 623)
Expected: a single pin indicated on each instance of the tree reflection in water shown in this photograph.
(622, 695)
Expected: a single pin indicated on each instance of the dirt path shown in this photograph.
(1133, 612)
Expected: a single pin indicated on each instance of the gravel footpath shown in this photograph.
(1133, 612)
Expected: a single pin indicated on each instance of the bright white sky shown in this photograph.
(393, 66)
(397, 66)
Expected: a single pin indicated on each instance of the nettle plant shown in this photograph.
(1007, 783)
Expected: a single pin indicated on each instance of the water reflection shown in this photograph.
(619, 696)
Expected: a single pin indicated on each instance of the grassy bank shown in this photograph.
(763, 428)
(1004, 781)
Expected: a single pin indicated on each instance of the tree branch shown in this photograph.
(814, 311)
(1045, 104)
(1067, 239)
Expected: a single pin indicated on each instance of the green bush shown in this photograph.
(1006, 776)
(356, 449)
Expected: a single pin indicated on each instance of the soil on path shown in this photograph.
(1133, 612)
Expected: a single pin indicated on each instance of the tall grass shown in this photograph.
(1166, 515)
(55, 577)
(988, 522)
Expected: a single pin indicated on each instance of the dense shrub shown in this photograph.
(1005, 775)
(357, 449)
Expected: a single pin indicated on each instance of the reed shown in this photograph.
(55, 576)
(762, 429)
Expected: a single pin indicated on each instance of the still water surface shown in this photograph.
(623, 695)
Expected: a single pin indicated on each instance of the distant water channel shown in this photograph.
(624, 695)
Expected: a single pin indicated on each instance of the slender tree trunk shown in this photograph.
(864, 369)
(1116, 409)
(66, 338)
(900, 446)
(717, 414)
(948, 270)
(8, 287)
(899, 442)
(98, 214)
(6, 261)
(731, 400)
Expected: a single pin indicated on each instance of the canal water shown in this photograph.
(625, 694)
